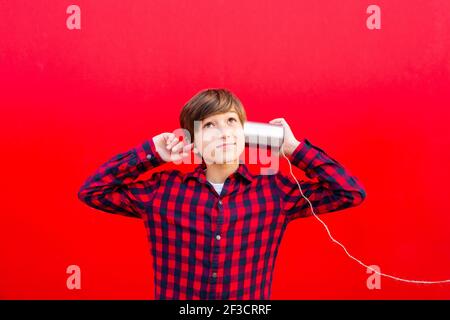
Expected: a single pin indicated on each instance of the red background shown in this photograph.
(376, 100)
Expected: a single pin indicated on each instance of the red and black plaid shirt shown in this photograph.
(210, 246)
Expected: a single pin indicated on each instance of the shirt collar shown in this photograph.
(199, 172)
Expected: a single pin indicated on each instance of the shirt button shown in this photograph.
(220, 202)
(214, 275)
(149, 156)
(218, 237)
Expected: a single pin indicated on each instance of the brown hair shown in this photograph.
(209, 102)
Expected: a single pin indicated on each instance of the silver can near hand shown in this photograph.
(263, 134)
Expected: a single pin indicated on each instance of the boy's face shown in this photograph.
(220, 138)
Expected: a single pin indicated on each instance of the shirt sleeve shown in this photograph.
(111, 188)
(335, 190)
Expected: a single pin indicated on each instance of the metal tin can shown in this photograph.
(263, 134)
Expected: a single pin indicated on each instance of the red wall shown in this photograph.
(376, 100)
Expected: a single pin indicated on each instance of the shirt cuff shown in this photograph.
(303, 155)
(147, 154)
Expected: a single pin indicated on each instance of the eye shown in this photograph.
(207, 125)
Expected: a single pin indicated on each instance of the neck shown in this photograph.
(218, 173)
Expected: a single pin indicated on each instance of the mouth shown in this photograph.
(224, 145)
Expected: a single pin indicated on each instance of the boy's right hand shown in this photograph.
(170, 148)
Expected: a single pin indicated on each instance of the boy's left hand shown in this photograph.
(290, 143)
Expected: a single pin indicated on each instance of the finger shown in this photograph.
(188, 147)
(172, 143)
(170, 140)
(178, 157)
(168, 137)
(276, 121)
(280, 121)
(177, 147)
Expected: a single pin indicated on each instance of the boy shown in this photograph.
(214, 232)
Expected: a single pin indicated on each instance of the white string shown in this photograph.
(343, 247)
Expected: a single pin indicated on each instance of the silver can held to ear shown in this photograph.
(263, 134)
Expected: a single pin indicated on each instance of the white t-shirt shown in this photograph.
(218, 187)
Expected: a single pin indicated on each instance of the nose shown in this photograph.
(225, 131)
